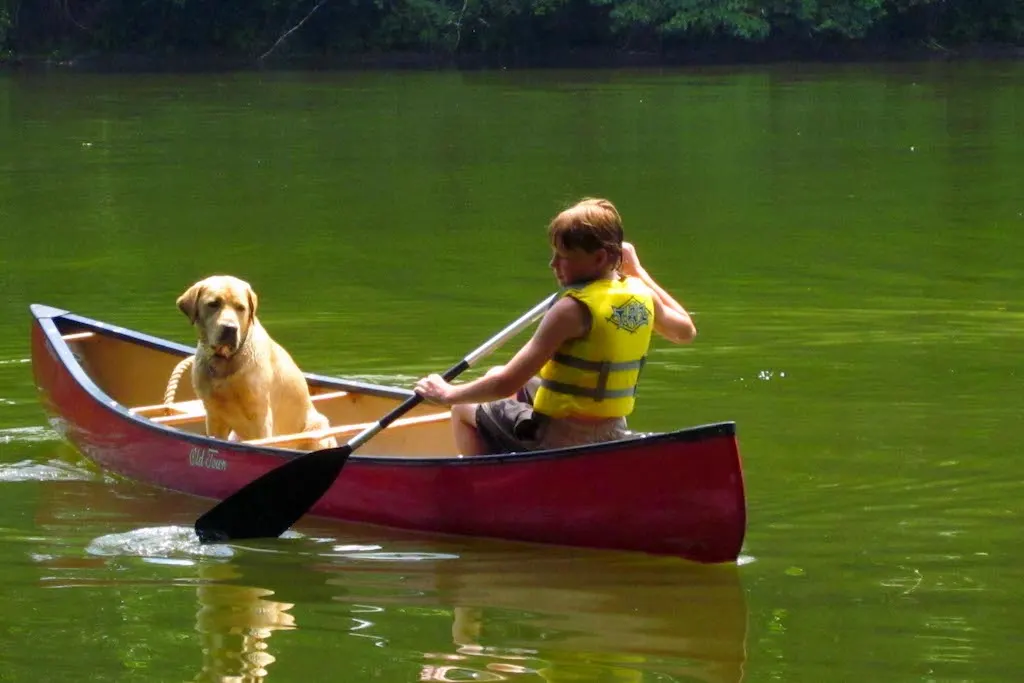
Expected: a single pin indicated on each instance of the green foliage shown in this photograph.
(5, 26)
(972, 21)
(416, 23)
(752, 20)
(519, 27)
(8, 10)
(835, 17)
(734, 18)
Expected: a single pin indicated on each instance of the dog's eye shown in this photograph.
(240, 308)
(213, 304)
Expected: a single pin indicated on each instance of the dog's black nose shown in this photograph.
(228, 335)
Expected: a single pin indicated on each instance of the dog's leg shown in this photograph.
(216, 427)
(266, 423)
(316, 420)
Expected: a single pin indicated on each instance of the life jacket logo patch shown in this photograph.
(630, 316)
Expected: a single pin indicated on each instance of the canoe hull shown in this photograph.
(678, 494)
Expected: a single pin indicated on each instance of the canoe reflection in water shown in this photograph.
(571, 616)
(400, 606)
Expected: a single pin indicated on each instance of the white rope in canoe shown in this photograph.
(172, 382)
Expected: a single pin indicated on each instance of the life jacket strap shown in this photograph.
(603, 369)
(596, 393)
(596, 365)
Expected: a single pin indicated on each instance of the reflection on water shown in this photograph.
(438, 609)
(235, 623)
(560, 614)
(470, 659)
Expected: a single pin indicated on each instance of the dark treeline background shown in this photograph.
(513, 30)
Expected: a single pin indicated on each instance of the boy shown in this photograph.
(588, 349)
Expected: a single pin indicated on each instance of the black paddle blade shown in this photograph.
(268, 505)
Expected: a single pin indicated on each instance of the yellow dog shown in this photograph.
(248, 383)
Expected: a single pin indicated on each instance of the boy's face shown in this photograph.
(572, 266)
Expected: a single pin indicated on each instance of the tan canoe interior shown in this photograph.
(136, 376)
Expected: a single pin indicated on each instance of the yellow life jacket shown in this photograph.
(596, 375)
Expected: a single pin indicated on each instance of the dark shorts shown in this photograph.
(510, 425)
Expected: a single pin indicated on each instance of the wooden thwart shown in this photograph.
(193, 413)
(183, 412)
(172, 413)
(345, 430)
(77, 336)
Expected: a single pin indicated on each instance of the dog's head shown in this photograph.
(223, 309)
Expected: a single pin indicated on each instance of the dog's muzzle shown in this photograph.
(227, 336)
(226, 342)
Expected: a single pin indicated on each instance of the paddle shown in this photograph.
(269, 504)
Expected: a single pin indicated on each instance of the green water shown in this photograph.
(850, 240)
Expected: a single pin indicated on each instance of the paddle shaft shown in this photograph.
(454, 371)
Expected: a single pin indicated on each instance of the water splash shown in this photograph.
(159, 545)
(768, 375)
(30, 470)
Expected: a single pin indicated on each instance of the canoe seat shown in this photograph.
(347, 430)
(183, 412)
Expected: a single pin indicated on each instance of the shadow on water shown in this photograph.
(503, 610)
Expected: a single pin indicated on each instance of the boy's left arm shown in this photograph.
(671, 320)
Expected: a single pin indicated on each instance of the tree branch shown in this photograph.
(458, 25)
(292, 30)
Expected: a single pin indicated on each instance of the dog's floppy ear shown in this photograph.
(188, 302)
(253, 300)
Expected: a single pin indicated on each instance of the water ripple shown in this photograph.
(54, 470)
(388, 380)
(27, 434)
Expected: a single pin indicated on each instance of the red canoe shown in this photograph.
(678, 493)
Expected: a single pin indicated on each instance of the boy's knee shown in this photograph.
(465, 412)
